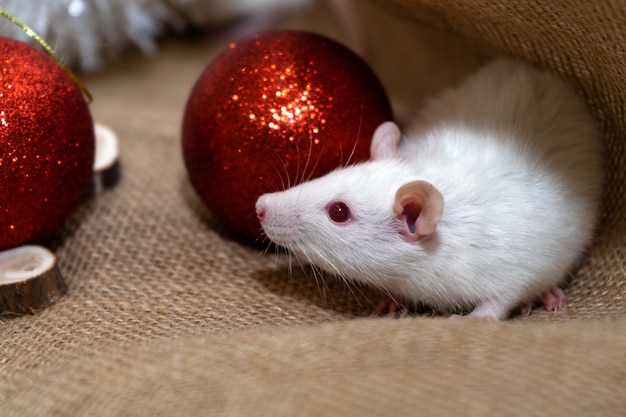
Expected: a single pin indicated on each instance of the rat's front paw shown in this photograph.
(390, 307)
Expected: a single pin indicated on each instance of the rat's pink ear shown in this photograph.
(385, 141)
(419, 205)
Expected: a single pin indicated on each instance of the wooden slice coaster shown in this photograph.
(30, 280)
(106, 165)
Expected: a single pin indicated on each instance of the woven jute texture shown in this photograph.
(167, 314)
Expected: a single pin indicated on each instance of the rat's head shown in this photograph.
(349, 219)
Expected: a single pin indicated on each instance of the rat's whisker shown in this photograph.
(298, 165)
(356, 141)
(290, 265)
(318, 277)
(308, 158)
(285, 184)
(352, 286)
(314, 167)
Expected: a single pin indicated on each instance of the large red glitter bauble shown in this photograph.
(46, 145)
(273, 110)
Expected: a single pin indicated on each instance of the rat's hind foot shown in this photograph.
(390, 307)
(553, 300)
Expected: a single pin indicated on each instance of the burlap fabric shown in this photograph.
(168, 315)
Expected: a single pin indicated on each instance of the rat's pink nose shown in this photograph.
(261, 209)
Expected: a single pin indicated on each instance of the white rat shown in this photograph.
(485, 205)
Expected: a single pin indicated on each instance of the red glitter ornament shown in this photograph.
(273, 110)
(46, 145)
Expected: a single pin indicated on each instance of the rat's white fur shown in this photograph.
(517, 158)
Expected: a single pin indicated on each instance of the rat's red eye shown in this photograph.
(339, 212)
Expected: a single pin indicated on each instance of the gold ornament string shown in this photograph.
(31, 33)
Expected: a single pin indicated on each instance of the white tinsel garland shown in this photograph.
(85, 32)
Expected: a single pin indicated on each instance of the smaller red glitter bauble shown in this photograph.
(46, 145)
(273, 110)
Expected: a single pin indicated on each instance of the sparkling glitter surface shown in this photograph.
(273, 110)
(46, 145)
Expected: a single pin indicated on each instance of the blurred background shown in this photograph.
(93, 35)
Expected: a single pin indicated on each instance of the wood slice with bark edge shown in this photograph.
(30, 280)
(106, 165)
